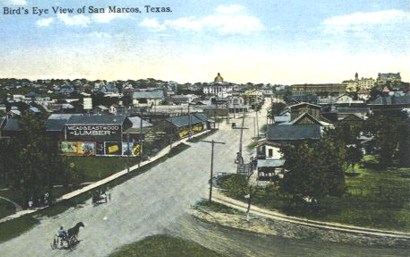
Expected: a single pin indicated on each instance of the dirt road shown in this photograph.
(145, 205)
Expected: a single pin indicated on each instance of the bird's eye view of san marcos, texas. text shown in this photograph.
(207, 128)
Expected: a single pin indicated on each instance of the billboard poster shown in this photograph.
(198, 127)
(86, 148)
(137, 149)
(77, 148)
(69, 148)
(105, 132)
(113, 148)
(100, 148)
(131, 149)
(183, 133)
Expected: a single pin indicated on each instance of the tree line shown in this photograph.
(316, 169)
(30, 165)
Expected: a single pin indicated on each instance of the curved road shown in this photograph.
(159, 201)
(145, 205)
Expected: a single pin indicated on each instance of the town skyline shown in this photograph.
(266, 42)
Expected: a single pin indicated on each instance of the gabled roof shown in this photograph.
(96, 119)
(183, 121)
(293, 132)
(352, 117)
(157, 94)
(136, 122)
(202, 116)
(56, 122)
(285, 111)
(304, 103)
(305, 115)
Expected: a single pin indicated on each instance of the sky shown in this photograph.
(278, 41)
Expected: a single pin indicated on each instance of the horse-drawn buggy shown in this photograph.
(99, 197)
(66, 239)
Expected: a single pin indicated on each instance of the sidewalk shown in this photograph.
(104, 181)
(242, 206)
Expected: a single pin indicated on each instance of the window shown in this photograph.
(270, 152)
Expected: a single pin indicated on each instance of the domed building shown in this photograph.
(219, 87)
(218, 78)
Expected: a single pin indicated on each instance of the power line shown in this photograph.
(212, 165)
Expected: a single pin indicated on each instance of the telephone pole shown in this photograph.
(212, 166)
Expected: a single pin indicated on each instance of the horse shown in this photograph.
(70, 238)
(73, 232)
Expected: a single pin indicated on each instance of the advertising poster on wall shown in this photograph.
(100, 148)
(113, 148)
(131, 149)
(86, 148)
(69, 148)
(198, 127)
(127, 148)
(77, 148)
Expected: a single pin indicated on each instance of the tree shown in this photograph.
(386, 128)
(309, 174)
(353, 155)
(30, 160)
(127, 100)
(348, 134)
(404, 144)
(276, 109)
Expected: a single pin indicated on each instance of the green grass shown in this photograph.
(19, 225)
(96, 168)
(374, 198)
(252, 145)
(6, 208)
(164, 246)
(13, 228)
(216, 207)
(12, 195)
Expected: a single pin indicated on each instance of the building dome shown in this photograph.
(219, 78)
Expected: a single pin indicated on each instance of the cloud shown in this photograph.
(229, 9)
(359, 21)
(83, 20)
(44, 22)
(75, 20)
(152, 23)
(108, 17)
(13, 2)
(227, 20)
(99, 35)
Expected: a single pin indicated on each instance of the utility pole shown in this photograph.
(212, 166)
(242, 128)
(140, 141)
(128, 152)
(254, 127)
(239, 157)
(190, 122)
(257, 123)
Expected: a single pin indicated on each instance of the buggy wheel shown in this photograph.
(72, 241)
(54, 244)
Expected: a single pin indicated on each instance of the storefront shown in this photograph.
(181, 126)
(98, 135)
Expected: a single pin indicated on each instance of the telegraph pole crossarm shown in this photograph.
(212, 166)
